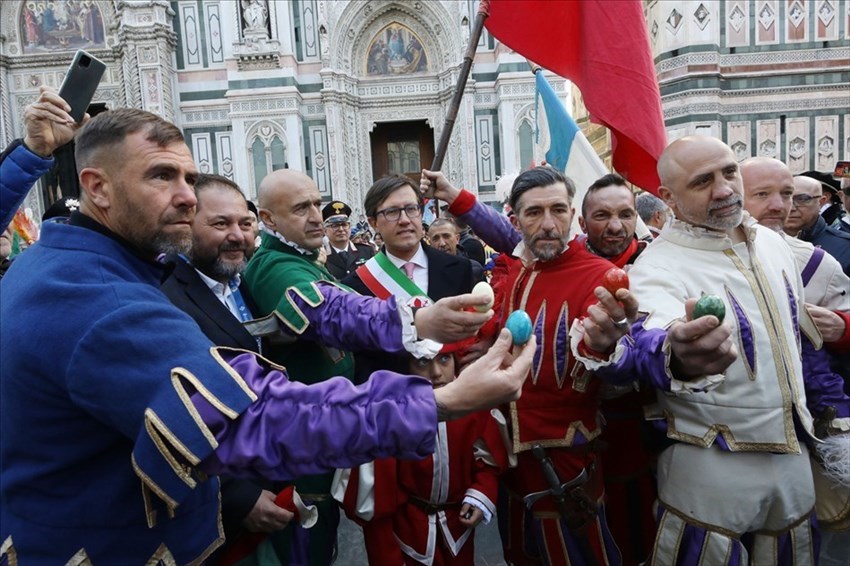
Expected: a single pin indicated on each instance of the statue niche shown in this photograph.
(396, 50)
(61, 25)
(255, 17)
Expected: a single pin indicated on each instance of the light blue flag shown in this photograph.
(569, 151)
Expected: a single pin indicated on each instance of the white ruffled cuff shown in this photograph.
(479, 505)
(418, 348)
(576, 338)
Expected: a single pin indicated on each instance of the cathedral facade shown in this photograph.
(769, 77)
(348, 91)
(345, 91)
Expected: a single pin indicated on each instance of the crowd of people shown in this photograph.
(188, 377)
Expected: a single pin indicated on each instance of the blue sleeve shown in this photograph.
(19, 170)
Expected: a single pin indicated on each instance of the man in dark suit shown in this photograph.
(208, 288)
(405, 267)
(344, 256)
(394, 209)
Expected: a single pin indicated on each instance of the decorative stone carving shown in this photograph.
(674, 21)
(255, 15)
(702, 16)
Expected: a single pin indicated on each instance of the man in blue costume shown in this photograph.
(110, 437)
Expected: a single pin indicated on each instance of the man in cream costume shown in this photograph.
(737, 486)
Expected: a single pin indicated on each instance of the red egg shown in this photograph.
(614, 280)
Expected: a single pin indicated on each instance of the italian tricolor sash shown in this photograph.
(383, 278)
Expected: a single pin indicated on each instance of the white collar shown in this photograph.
(218, 286)
(419, 259)
(281, 237)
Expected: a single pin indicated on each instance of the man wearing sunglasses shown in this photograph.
(806, 223)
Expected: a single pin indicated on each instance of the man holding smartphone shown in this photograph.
(47, 126)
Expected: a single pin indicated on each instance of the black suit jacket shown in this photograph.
(341, 266)
(448, 276)
(188, 292)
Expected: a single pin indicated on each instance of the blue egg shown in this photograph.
(520, 326)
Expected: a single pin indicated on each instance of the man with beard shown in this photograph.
(556, 281)
(210, 290)
(736, 485)
(133, 412)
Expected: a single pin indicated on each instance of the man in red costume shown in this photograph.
(556, 282)
(609, 219)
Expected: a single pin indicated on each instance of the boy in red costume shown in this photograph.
(425, 511)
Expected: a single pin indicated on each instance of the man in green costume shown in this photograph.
(286, 264)
(292, 232)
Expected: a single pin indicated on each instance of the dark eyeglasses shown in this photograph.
(338, 225)
(394, 214)
(803, 200)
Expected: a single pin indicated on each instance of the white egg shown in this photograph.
(485, 290)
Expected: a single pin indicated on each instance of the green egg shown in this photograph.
(710, 304)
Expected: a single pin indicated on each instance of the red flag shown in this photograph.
(601, 46)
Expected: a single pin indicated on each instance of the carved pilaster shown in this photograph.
(149, 44)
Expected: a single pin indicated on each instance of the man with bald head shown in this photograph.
(806, 223)
(736, 485)
(769, 188)
(285, 265)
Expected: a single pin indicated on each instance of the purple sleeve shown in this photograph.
(349, 321)
(824, 388)
(495, 229)
(295, 429)
(644, 359)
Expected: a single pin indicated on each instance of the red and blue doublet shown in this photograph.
(559, 407)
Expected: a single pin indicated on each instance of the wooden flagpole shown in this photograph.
(454, 106)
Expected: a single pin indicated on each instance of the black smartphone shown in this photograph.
(81, 82)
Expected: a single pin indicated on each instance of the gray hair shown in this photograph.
(648, 204)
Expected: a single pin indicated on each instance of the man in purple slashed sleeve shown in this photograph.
(743, 397)
(116, 410)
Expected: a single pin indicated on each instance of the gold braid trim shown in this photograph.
(161, 556)
(566, 442)
(300, 328)
(157, 430)
(149, 484)
(7, 550)
(769, 310)
(80, 558)
(734, 446)
(751, 370)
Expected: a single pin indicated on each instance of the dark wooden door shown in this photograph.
(401, 147)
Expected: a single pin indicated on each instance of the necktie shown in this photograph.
(408, 269)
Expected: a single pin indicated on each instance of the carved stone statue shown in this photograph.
(255, 14)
